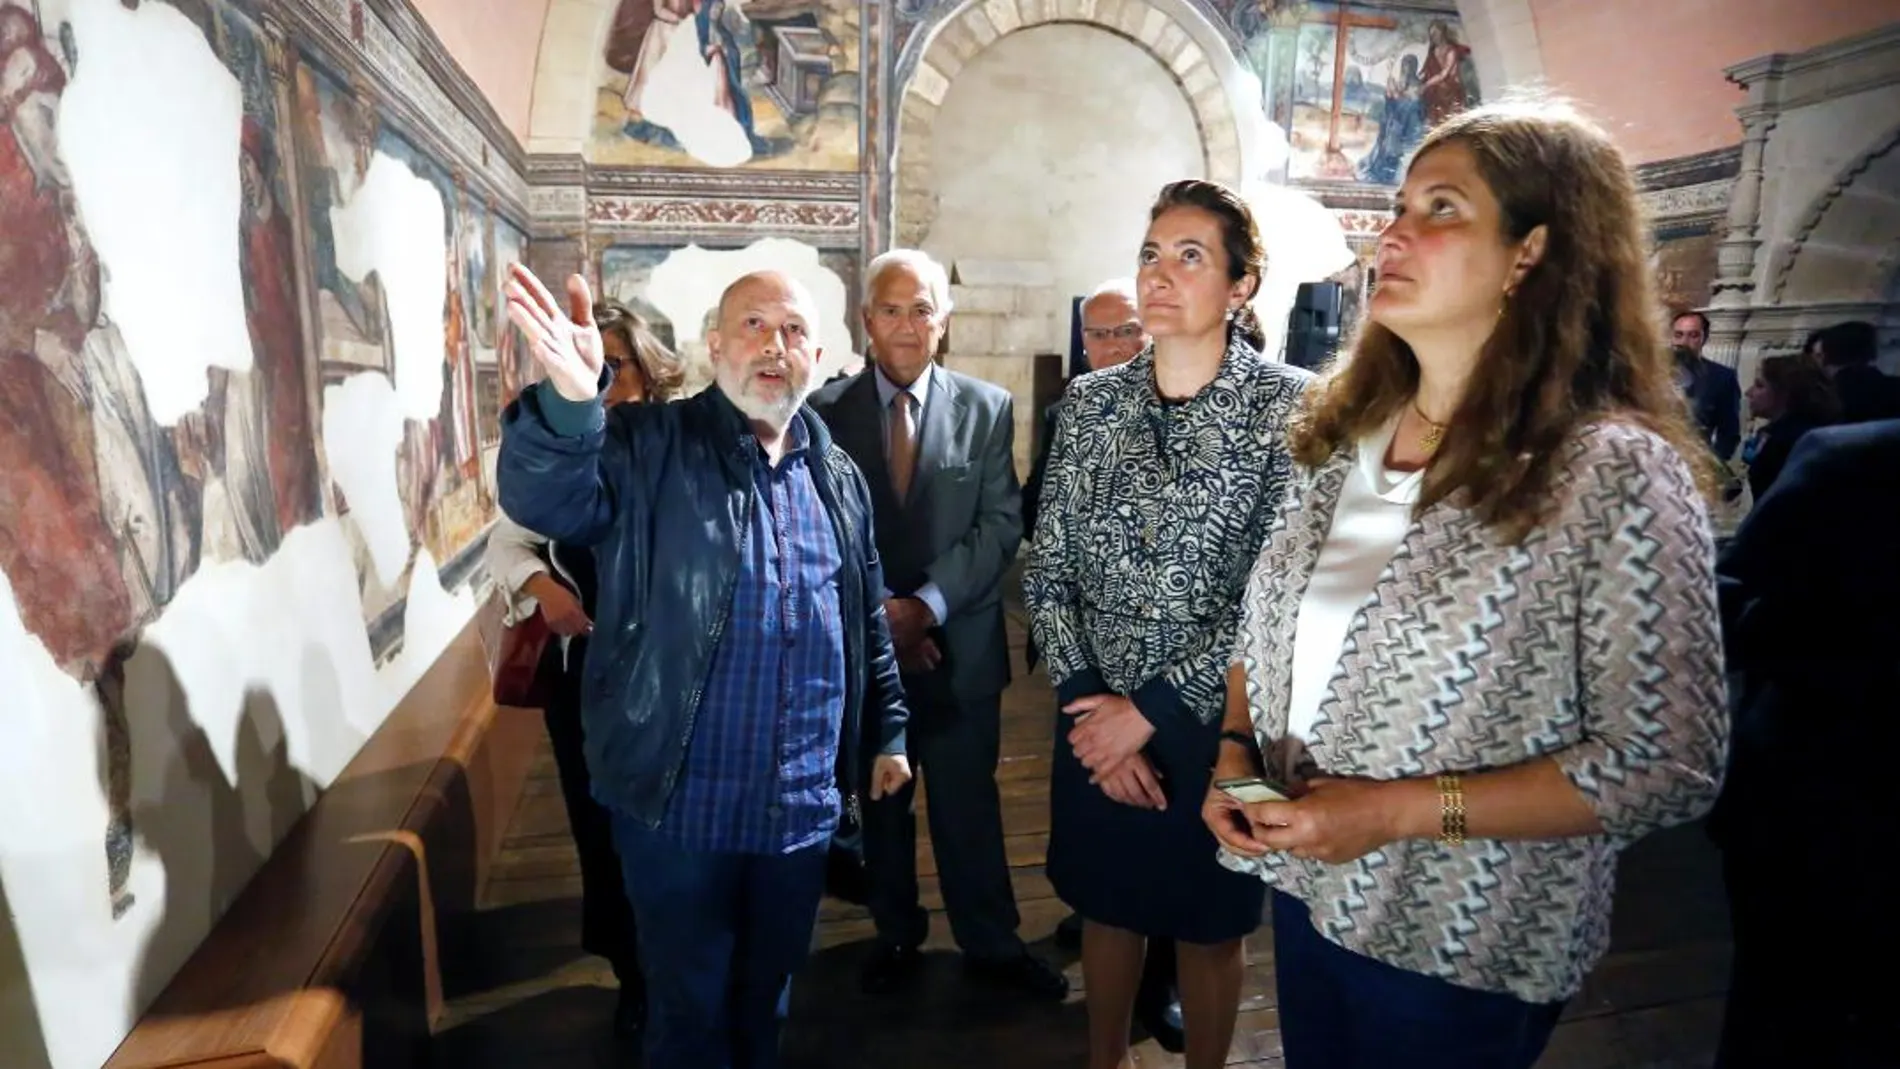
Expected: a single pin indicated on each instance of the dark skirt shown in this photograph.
(1141, 870)
(607, 927)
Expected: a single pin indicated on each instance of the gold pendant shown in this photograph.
(1432, 435)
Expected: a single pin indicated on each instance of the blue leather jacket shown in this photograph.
(662, 494)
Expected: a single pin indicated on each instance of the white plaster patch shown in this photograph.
(680, 93)
(362, 428)
(1304, 243)
(156, 176)
(299, 621)
(431, 618)
(52, 855)
(394, 226)
(255, 686)
(687, 284)
(1263, 142)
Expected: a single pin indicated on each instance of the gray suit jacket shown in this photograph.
(962, 521)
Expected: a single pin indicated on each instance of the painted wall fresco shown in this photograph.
(1685, 264)
(106, 510)
(200, 622)
(445, 497)
(1355, 85)
(766, 84)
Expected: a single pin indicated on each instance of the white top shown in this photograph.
(1375, 509)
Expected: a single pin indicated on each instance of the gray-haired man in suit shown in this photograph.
(937, 449)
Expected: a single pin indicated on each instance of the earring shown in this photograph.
(1230, 315)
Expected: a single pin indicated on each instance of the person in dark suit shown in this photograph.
(1713, 390)
(1848, 353)
(1809, 588)
(1112, 335)
(937, 449)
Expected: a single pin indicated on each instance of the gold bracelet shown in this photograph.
(1451, 809)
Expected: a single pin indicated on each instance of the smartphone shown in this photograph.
(1251, 789)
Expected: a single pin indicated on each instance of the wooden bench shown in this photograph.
(333, 956)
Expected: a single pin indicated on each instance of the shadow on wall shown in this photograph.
(209, 833)
(21, 1044)
(171, 809)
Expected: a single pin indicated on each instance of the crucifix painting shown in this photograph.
(1357, 85)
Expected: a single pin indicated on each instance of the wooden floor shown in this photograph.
(533, 999)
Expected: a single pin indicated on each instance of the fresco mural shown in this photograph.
(116, 524)
(1686, 265)
(447, 498)
(195, 631)
(767, 84)
(1355, 85)
(108, 512)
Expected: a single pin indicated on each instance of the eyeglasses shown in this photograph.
(1125, 332)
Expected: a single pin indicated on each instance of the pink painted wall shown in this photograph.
(1653, 71)
(497, 43)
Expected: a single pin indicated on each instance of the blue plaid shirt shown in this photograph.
(760, 774)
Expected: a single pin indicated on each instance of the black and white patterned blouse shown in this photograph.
(1151, 516)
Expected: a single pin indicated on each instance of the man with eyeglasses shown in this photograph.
(1112, 334)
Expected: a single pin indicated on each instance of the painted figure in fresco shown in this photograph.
(650, 27)
(39, 258)
(1401, 127)
(458, 376)
(689, 64)
(1449, 84)
(477, 240)
(276, 342)
(56, 545)
(328, 175)
(151, 478)
(720, 47)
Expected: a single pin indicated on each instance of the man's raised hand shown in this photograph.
(565, 343)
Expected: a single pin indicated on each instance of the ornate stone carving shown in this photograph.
(1701, 199)
(277, 52)
(1817, 211)
(557, 203)
(740, 217)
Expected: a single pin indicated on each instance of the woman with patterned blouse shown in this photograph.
(1161, 485)
(1480, 649)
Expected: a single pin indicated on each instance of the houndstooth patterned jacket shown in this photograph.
(1595, 641)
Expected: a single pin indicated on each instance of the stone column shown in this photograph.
(1733, 291)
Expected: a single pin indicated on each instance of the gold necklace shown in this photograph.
(1434, 431)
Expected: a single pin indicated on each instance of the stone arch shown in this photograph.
(1183, 41)
(1830, 256)
(566, 71)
